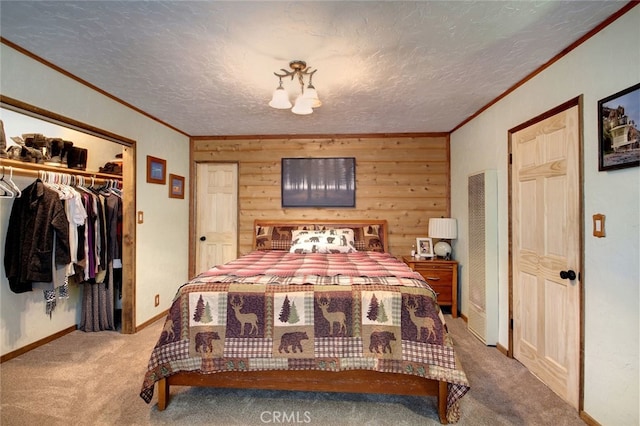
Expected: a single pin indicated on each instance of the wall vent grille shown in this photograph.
(483, 256)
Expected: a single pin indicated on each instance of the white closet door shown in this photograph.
(216, 214)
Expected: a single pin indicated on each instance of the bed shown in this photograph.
(316, 306)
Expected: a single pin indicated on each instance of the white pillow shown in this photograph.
(325, 241)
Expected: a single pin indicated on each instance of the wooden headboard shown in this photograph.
(369, 234)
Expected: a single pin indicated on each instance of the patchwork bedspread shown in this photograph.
(274, 310)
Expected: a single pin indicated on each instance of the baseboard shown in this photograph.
(31, 346)
(588, 419)
(41, 342)
(152, 320)
(502, 350)
(499, 347)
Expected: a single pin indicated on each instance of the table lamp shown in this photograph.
(444, 229)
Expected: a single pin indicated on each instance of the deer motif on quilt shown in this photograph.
(244, 319)
(171, 329)
(421, 323)
(335, 317)
(168, 329)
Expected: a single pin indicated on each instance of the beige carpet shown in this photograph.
(94, 379)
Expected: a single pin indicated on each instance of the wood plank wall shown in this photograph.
(404, 179)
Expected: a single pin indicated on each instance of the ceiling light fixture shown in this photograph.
(306, 100)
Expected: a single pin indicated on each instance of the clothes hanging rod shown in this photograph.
(21, 168)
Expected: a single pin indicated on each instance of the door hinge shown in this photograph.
(510, 158)
(511, 323)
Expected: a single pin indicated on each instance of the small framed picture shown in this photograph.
(424, 247)
(156, 170)
(619, 136)
(176, 186)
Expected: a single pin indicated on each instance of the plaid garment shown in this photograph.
(274, 310)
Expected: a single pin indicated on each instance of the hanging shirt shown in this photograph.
(89, 232)
(76, 215)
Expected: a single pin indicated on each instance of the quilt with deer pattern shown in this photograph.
(275, 310)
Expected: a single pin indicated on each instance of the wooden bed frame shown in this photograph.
(351, 381)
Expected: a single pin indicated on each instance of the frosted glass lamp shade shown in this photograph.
(302, 106)
(280, 99)
(442, 249)
(311, 94)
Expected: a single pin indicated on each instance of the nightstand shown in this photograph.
(442, 276)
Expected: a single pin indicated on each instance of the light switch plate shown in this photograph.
(598, 225)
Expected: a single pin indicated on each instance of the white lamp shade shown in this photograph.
(444, 228)
(302, 106)
(280, 99)
(311, 94)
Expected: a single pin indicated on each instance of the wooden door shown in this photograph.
(546, 193)
(216, 214)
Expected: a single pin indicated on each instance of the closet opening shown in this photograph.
(100, 155)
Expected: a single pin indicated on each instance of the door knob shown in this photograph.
(203, 238)
(568, 274)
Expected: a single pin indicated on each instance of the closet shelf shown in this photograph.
(31, 169)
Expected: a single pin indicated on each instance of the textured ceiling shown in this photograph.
(206, 68)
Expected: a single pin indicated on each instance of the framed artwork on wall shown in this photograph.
(424, 247)
(319, 182)
(176, 186)
(156, 170)
(618, 134)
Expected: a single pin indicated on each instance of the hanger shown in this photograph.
(12, 183)
(114, 188)
(81, 184)
(51, 182)
(5, 187)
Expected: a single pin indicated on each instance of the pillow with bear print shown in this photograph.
(274, 237)
(325, 241)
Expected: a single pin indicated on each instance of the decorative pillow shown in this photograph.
(366, 237)
(274, 237)
(324, 241)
